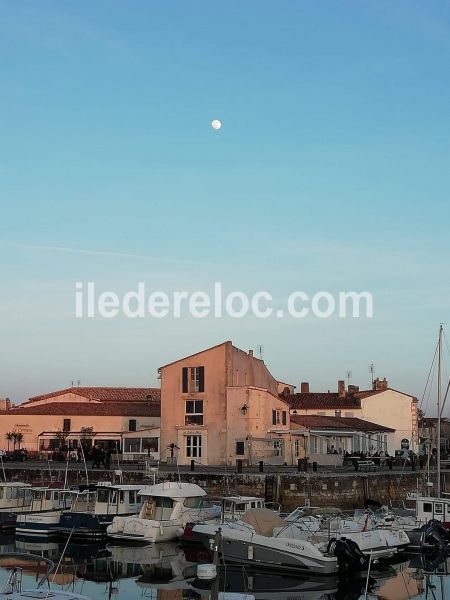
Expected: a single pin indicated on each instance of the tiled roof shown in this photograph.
(124, 409)
(367, 393)
(106, 394)
(344, 423)
(328, 400)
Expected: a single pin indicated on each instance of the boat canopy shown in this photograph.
(263, 520)
(173, 489)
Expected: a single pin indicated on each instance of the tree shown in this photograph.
(18, 438)
(61, 437)
(9, 437)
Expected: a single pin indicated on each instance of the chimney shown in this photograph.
(250, 353)
(379, 385)
(304, 387)
(353, 389)
(341, 388)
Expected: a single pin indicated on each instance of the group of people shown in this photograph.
(100, 458)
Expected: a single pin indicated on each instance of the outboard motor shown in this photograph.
(436, 534)
(348, 554)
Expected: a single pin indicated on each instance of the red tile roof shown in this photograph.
(106, 394)
(330, 401)
(344, 423)
(124, 409)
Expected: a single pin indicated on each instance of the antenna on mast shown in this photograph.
(260, 350)
(372, 372)
(348, 375)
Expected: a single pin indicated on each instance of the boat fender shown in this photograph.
(206, 571)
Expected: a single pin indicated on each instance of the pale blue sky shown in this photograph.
(331, 172)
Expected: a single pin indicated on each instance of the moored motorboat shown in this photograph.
(94, 508)
(264, 540)
(11, 503)
(166, 510)
(45, 507)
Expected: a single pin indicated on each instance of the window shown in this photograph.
(150, 444)
(278, 417)
(277, 447)
(193, 502)
(240, 448)
(194, 412)
(427, 507)
(132, 497)
(283, 414)
(193, 379)
(66, 425)
(132, 425)
(103, 495)
(194, 446)
(438, 509)
(131, 444)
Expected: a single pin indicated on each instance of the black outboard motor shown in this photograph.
(436, 534)
(348, 554)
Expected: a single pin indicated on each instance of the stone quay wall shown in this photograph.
(345, 490)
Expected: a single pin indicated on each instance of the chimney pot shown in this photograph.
(304, 387)
(250, 353)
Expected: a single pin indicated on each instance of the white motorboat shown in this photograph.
(44, 508)
(262, 539)
(373, 538)
(166, 510)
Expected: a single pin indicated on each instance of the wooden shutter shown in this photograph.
(274, 417)
(201, 379)
(284, 417)
(185, 380)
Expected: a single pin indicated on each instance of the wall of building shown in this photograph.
(253, 424)
(395, 410)
(31, 426)
(173, 404)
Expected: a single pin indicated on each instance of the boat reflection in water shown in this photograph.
(168, 571)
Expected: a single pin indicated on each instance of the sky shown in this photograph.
(331, 172)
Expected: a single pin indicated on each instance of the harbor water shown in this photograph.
(168, 571)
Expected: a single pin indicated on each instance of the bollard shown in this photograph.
(192, 465)
(261, 466)
(239, 465)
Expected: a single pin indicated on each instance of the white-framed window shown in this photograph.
(194, 446)
(279, 417)
(194, 412)
(313, 444)
(297, 447)
(278, 447)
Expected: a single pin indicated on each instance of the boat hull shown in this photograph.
(38, 524)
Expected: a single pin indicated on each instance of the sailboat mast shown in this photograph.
(439, 414)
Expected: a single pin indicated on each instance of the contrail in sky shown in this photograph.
(106, 253)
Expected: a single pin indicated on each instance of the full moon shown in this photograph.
(216, 124)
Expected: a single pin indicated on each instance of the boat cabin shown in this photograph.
(43, 499)
(11, 495)
(168, 501)
(428, 507)
(233, 507)
(107, 499)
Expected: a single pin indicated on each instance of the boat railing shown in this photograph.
(14, 582)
